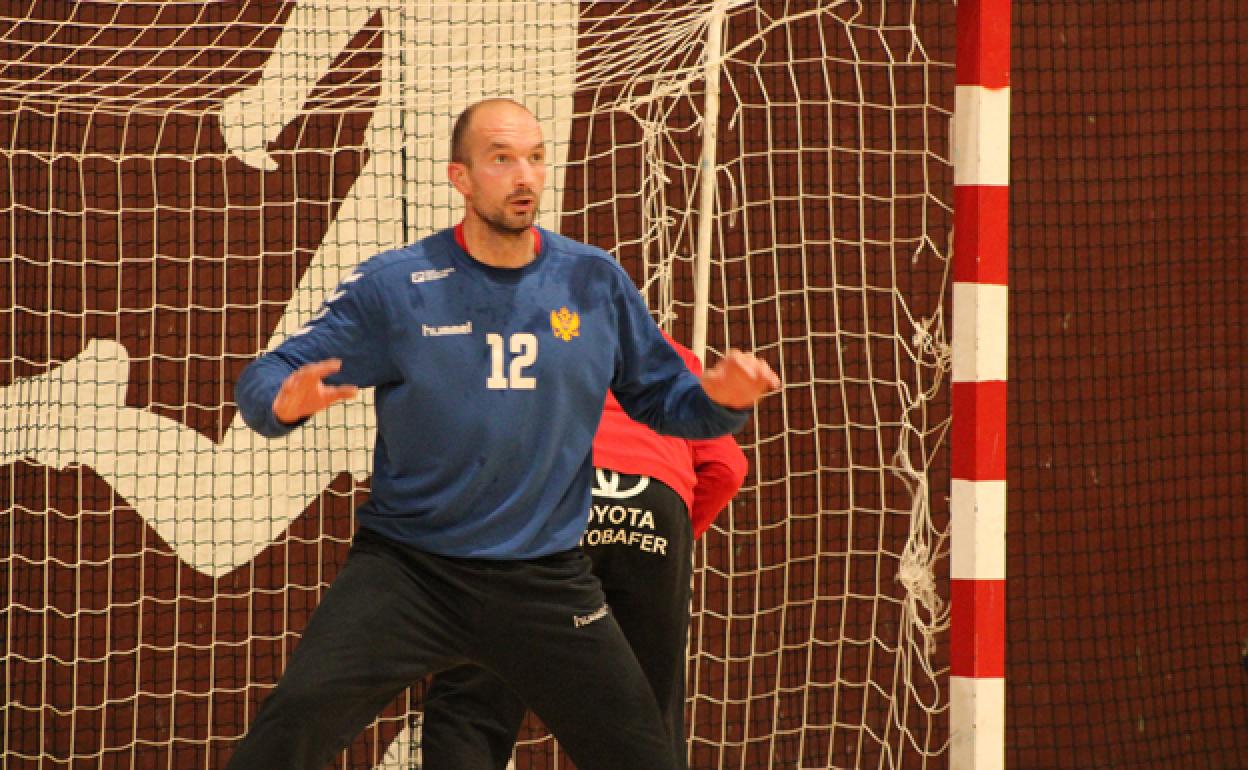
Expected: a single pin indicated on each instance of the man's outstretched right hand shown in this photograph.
(304, 392)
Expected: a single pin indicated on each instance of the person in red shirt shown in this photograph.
(653, 496)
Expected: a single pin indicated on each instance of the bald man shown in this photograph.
(491, 346)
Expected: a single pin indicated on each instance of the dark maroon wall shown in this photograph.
(1128, 535)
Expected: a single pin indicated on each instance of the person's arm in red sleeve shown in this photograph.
(721, 467)
(719, 464)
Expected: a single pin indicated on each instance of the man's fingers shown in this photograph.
(305, 393)
(739, 379)
(767, 374)
(320, 369)
(310, 376)
(753, 368)
(334, 393)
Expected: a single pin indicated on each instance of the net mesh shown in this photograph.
(186, 182)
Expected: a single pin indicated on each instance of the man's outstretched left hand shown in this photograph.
(739, 380)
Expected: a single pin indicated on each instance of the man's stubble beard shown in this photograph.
(497, 222)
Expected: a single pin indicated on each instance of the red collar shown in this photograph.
(463, 244)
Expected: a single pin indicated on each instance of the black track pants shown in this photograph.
(395, 614)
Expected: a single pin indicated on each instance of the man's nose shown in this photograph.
(527, 175)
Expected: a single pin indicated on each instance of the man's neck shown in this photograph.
(496, 249)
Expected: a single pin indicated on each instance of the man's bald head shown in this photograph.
(498, 165)
(460, 134)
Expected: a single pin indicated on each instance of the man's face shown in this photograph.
(505, 171)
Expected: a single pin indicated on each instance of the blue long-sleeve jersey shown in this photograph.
(489, 387)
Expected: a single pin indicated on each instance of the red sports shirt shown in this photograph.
(706, 473)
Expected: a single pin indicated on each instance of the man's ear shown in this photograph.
(457, 173)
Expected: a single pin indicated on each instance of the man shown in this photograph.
(491, 347)
(654, 495)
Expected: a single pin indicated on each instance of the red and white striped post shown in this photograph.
(981, 160)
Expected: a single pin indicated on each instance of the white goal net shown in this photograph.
(183, 182)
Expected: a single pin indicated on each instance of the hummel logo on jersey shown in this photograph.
(585, 620)
(565, 323)
(424, 276)
(443, 331)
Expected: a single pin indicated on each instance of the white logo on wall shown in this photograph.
(230, 500)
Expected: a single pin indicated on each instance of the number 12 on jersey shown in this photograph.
(523, 348)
